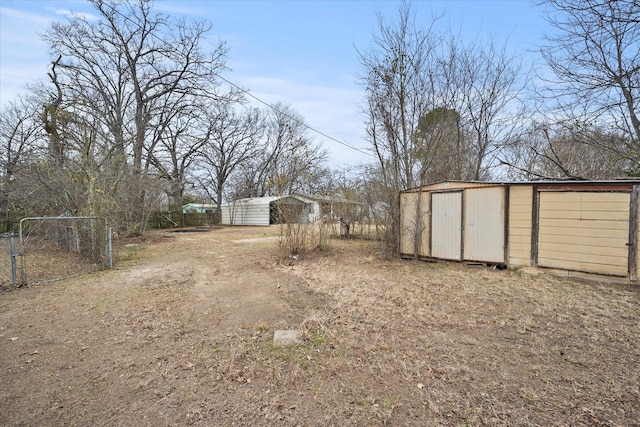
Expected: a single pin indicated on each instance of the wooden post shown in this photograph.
(632, 244)
(462, 218)
(505, 218)
(535, 226)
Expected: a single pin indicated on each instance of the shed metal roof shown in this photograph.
(567, 182)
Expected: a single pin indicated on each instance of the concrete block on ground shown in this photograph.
(287, 337)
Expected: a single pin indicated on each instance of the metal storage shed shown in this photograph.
(264, 210)
(581, 226)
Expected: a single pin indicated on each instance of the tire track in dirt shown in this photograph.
(214, 269)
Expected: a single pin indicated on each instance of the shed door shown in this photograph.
(484, 224)
(584, 231)
(446, 225)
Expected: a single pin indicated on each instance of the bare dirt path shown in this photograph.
(180, 333)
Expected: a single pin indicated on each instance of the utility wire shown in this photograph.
(319, 132)
(311, 128)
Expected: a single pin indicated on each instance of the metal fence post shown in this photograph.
(109, 249)
(14, 275)
(23, 268)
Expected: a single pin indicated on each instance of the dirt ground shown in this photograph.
(180, 333)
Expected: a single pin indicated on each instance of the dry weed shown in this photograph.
(169, 340)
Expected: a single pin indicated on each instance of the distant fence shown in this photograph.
(9, 225)
(179, 219)
(366, 230)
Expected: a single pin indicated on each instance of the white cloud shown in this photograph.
(12, 14)
(176, 8)
(75, 14)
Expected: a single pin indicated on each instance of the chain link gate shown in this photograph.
(55, 248)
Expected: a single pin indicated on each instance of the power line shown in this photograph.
(245, 91)
(311, 128)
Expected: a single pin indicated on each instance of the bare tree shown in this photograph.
(490, 108)
(74, 172)
(294, 159)
(232, 138)
(561, 152)
(178, 149)
(373, 196)
(20, 137)
(131, 68)
(588, 128)
(398, 80)
(51, 119)
(437, 109)
(595, 56)
(289, 161)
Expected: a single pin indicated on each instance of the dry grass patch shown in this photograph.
(182, 335)
(459, 344)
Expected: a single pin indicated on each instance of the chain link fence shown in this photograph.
(47, 249)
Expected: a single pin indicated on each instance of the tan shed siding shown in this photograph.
(408, 207)
(584, 231)
(484, 224)
(588, 266)
(407, 221)
(520, 205)
(638, 244)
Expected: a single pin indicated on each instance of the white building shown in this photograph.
(269, 210)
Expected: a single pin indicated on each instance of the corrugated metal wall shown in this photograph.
(446, 225)
(484, 226)
(242, 213)
(455, 225)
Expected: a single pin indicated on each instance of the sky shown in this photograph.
(300, 52)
